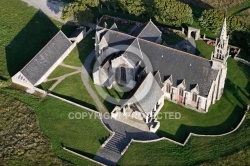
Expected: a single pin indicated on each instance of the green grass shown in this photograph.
(204, 49)
(24, 31)
(239, 158)
(222, 117)
(72, 88)
(80, 53)
(239, 8)
(19, 122)
(47, 85)
(197, 150)
(60, 71)
(82, 135)
(172, 39)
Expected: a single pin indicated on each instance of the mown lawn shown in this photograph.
(197, 150)
(203, 48)
(222, 117)
(24, 31)
(80, 53)
(172, 39)
(47, 85)
(60, 71)
(72, 88)
(83, 135)
(104, 93)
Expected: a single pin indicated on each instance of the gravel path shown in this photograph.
(86, 71)
(51, 8)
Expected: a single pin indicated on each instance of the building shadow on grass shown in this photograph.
(184, 130)
(29, 41)
(89, 155)
(85, 104)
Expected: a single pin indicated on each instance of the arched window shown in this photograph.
(168, 88)
(123, 74)
(181, 92)
(194, 97)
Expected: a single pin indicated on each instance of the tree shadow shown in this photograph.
(55, 6)
(83, 103)
(198, 6)
(26, 44)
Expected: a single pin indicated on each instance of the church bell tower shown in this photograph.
(219, 60)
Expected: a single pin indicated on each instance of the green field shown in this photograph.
(197, 150)
(24, 31)
(203, 48)
(72, 88)
(60, 71)
(80, 53)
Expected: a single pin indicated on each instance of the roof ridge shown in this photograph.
(161, 45)
(174, 49)
(44, 48)
(142, 30)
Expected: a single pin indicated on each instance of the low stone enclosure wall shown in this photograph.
(187, 139)
(136, 23)
(137, 141)
(234, 51)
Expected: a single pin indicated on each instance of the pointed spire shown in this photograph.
(223, 33)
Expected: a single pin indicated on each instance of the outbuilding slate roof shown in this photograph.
(46, 57)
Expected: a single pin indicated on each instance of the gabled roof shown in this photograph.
(114, 27)
(181, 65)
(118, 40)
(148, 94)
(150, 32)
(46, 58)
(168, 61)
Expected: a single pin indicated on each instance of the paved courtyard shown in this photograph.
(111, 152)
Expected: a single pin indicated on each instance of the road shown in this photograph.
(51, 8)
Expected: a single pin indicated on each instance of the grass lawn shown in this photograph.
(47, 85)
(222, 117)
(59, 71)
(72, 88)
(82, 135)
(172, 39)
(238, 9)
(204, 49)
(198, 149)
(80, 53)
(24, 31)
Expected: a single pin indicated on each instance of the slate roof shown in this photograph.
(118, 40)
(150, 32)
(166, 60)
(181, 65)
(46, 57)
(114, 27)
(148, 94)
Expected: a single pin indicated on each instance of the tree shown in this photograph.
(135, 7)
(114, 4)
(78, 12)
(172, 12)
(212, 20)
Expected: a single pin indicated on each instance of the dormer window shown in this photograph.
(168, 88)
(194, 97)
(181, 92)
